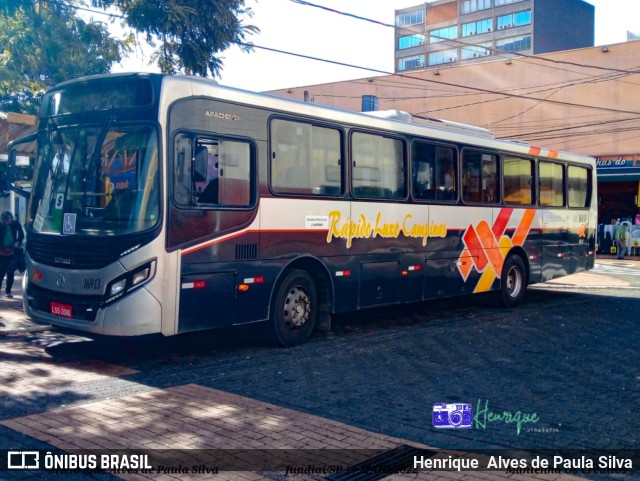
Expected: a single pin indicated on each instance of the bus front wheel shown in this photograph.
(295, 308)
(513, 282)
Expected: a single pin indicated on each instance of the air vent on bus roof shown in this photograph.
(403, 116)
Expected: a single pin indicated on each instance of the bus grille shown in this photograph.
(67, 252)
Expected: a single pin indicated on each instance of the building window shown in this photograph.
(369, 103)
(469, 6)
(444, 56)
(514, 44)
(475, 51)
(477, 28)
(442, 34)
(514, 20)
(410, 18)
(410, 41)
(499, 3)
(411, 63)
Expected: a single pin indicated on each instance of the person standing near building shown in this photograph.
(621, 236)
(11, 236)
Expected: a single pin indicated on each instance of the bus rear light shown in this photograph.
(254, 280)
(346, 273)
(405, 273)
(243, 287)
(417, 267)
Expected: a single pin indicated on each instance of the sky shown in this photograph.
(289, 26)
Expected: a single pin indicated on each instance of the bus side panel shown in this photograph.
(579, 241)
(207, 300)
(210, 278)
(453, 262)
(556, 251)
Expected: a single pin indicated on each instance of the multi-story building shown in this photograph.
(459, 31)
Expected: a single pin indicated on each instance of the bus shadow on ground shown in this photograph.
(232, 341)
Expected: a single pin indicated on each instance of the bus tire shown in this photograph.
(513, 283)
(295, 308)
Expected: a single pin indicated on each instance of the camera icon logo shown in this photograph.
(452, 416)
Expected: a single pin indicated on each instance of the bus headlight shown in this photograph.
(117, 287)
(140, 275)
(130, 281)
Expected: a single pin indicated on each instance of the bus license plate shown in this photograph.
(60, 309)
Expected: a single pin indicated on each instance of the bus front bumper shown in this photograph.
(137, 314)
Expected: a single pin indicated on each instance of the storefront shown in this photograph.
(618, 187)
(13, 126)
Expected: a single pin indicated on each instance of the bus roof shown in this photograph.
(176, 87)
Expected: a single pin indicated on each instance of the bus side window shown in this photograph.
(305, 159)
(182, 188)
(234, 173)
(378, 166)
(434, 171)
(479, 178)
(518, 180)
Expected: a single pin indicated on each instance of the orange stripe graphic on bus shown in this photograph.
(491, 246)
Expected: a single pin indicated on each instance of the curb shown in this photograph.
(557, 285)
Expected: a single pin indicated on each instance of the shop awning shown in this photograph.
(619, 175)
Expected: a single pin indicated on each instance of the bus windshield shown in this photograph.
(96, 180)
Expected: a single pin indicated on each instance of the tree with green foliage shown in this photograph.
(44, 43)
(187, 34)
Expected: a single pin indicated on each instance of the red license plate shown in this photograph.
(60, 309)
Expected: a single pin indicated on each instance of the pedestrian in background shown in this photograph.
(11, 236)
(621, 236)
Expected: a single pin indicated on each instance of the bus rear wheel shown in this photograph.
(513, 283)
(295, 308)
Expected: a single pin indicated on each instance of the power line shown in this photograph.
(450, 84)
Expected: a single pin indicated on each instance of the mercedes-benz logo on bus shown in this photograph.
(60, 280)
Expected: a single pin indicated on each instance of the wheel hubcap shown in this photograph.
(514, 282)
(297, 306)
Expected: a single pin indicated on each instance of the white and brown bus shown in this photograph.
(167, 204)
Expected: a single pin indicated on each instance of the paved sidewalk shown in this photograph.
(193, 417)
(12, 317)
